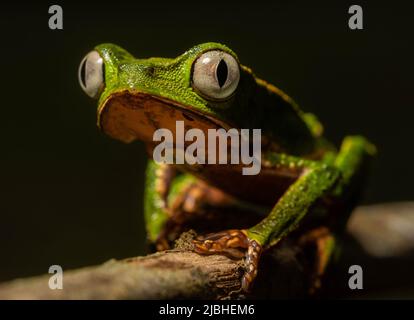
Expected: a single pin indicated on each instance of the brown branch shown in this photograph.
(173, 274)
(165, 275)
(180, 273)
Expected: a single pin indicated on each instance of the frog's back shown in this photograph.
(285, 127)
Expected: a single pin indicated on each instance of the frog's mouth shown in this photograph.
(130, 116)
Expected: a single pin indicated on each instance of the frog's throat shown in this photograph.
(128, 116)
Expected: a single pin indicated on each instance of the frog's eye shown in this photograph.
(215, 75)
(91, 74)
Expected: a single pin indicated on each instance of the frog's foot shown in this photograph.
(229, 243)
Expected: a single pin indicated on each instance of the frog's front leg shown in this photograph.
(172, 199)
(157, 187)
(188, 200)
(315, 180)
(169, 197)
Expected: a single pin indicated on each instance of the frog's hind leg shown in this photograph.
(352, 161)
(323, 242)
(354, 155)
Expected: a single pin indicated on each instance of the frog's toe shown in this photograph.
(222, 242)
(252, 263)
(229, 243)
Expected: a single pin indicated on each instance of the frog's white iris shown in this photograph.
(91, 74)
(216, 75)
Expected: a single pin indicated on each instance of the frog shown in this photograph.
(305, 190)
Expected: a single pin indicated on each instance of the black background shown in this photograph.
(72, 196)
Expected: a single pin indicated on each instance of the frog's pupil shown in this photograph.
(222, 73)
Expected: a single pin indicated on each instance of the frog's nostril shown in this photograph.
(151, 71)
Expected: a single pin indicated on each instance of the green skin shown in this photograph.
(323, 171)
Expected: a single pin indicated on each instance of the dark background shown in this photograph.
(72, 196)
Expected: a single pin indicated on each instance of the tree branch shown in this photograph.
(180, 273)
(172, 274)
(165, 275)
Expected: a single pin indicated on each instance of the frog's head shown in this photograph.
(205, 87)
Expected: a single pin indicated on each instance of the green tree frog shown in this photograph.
(306, 187)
